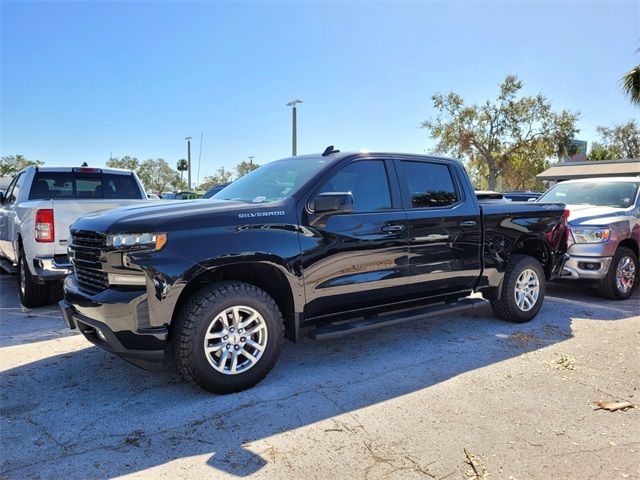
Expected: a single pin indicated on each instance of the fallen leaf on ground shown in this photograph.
(613, 406)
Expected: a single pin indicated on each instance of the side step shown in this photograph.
(7, 266)
(327, 332)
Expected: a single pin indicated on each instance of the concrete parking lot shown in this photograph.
(453, 397)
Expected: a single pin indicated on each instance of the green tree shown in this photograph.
(631, 84)
(12, 164)
(494, 136)
(599, 151)
(130, 163)
(157, 175)
(245, 167)
(182, 167)
(221, 176)
(622, 140)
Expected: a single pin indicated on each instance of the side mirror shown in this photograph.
(332, 202)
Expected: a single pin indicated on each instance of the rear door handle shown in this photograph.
(467, 223)
(392, 228)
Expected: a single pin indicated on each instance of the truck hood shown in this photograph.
(596, 215)
(174, 215)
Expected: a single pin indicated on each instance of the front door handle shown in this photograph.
(392, 228)
(467, 223)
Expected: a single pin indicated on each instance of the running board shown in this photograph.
(7, 266)
(327, 332)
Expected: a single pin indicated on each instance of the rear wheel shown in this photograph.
(32, 294)
(622, 276)
(523, 289)
(227, 337)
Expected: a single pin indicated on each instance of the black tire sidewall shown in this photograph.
(20, 267)
(509, 308)
(35, 294)
(207, 376)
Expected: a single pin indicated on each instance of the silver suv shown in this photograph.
(604, 231)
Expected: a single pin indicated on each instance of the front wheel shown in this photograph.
(227, 337)
(32, 294)
(622, 276)
(523, 289)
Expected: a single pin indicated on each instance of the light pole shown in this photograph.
(188, 139)
(251, 157)
(294, 131)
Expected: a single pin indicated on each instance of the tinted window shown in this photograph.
(367, 182)
(72, 185)
(427, 184)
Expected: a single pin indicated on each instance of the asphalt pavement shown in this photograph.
(454, 397)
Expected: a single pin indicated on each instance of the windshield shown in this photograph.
(601, 194)
(273, 181)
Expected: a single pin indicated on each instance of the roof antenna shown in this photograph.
(329, 150)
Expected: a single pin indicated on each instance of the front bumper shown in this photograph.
(589, 268)
(51, 268)
(116, 321)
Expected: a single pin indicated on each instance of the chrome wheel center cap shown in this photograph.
(234, 339)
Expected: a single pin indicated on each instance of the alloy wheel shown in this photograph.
(527, 290)
(235, 340)
(625, 274)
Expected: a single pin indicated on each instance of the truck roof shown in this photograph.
(117, 171)
(341, 155)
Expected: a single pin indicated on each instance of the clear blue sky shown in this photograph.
(81, 80)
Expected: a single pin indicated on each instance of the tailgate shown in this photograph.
(65, 212)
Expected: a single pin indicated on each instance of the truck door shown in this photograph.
(444, 226)
(357, 259)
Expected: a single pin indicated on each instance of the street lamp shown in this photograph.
(294, 132)
(188, 139)
(251, 157)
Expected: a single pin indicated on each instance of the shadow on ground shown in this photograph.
(78, 406)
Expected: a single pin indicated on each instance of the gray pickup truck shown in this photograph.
(604, 221)
(36, 211)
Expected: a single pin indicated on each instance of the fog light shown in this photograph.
(100, 335)
(589, 265)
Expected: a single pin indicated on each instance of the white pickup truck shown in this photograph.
(35, 214)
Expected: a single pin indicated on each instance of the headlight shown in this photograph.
(154, 241)
(591, 235)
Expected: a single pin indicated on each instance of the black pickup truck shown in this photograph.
(329, 244)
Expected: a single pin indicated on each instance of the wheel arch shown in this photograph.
(631, 244)
(266, 276)
(536, 247)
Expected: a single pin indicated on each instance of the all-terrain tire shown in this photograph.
(608, 286)
(506, 307)
(32, 294)
(194, 320)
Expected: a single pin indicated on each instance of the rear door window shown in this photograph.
(74, 185)
(427, 185)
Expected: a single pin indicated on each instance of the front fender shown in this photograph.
(191, 259)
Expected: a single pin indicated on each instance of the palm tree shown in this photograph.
(182, 167)
(631, 84)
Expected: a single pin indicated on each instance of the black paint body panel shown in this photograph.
(331, 265)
